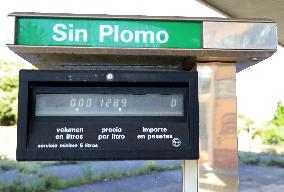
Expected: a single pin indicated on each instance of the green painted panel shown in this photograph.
(108, 33)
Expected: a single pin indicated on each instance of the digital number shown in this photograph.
(104, 102)
(73, 102)
(108, 103)
(173, 103)
(123, 102)
(89, 102)
(114, 103)
(81, 102)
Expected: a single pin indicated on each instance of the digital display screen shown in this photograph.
(109, 105)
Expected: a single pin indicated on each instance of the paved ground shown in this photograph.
(73, 171)
(168, 181)
(252, 178)
(261, 179)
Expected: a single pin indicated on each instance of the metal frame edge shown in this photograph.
(11, 30)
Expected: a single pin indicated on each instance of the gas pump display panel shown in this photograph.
(85, 115)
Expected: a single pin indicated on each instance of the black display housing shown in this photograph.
(84, 137)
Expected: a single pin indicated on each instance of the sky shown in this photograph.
(259, 87)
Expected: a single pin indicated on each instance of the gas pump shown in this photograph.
(136, 87)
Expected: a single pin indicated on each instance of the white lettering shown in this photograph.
(145, 36)
(58, 30)
(116, 33)
(84, 33)
(111, 130)
(71, 32)
(154, 130)
(77, 35)
(69, 130)
(119, 137)
(102, 137)
(162, 37)
(126, 38)
(105, 30)
(91, 145)
(76, 137)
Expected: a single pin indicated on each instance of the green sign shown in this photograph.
(108, 33)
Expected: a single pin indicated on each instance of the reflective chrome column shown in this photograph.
(218, 163)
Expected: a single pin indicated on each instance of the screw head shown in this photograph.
(109, 76)
(254, 59)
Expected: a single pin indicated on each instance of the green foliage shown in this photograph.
(6, 165)
(273, 132)
(249, 158)
(7, 108)
(87, 173)
(248, 125)
(21, 167)
(272, 135)
(50, 181)
(278, 118)
(8, 91)
(43, 184)
(262, 159)
(28, 168)
(245, 123)
(16, 186)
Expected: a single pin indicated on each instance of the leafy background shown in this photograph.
(9, 83)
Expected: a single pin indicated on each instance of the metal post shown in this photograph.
(190, 175)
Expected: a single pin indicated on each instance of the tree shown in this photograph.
(278, 118)
(9, 73)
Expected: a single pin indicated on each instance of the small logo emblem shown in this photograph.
(176, 142)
